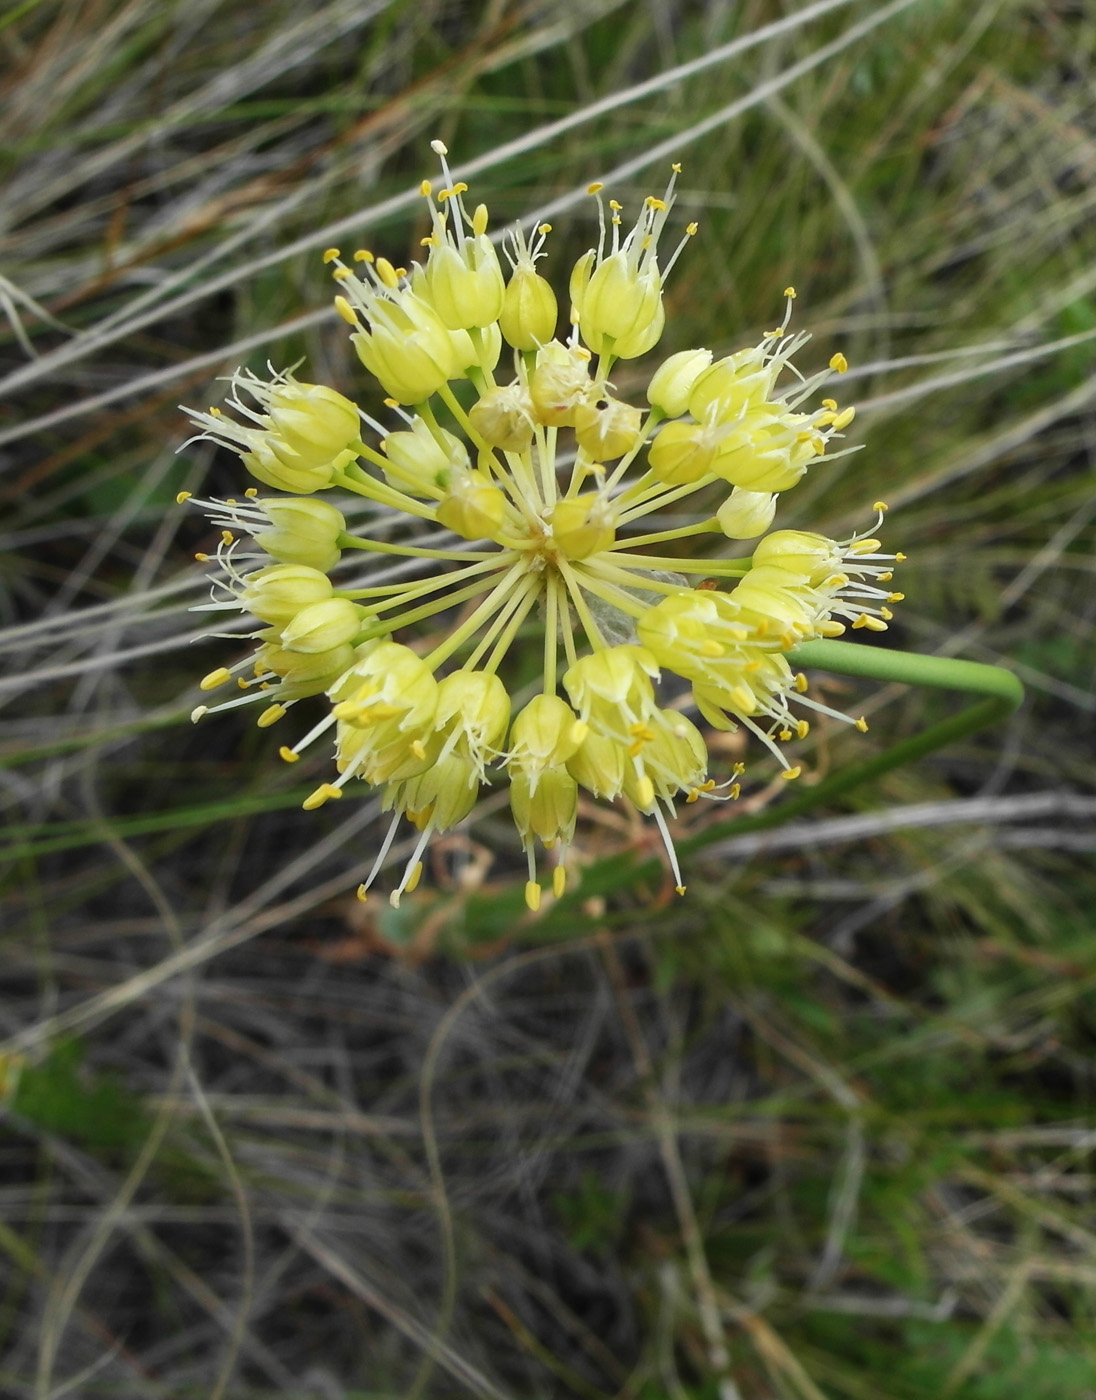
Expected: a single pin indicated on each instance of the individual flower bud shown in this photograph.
(606, 428)
(304, 673)
(305, 531)
(314, 423)
(612, 686)
(473, 507)
(422, 457)
(583, 525)
(323, 626)
(408, 349)
(780, 605)
(464, 279)
(544, 734)
(681, 453)
(598, 765)
(278, 593)
(808, 557)
(767, 450)
(731, 386)
(673, 381)
(617, 303)
(674, 760)
(746, 514)
(385, 708)
(272, 469)
(544, 805)
(529, 309)
(503, 417)
(442, 794)
(560, 381)
(476, 706)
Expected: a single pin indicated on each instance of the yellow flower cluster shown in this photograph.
(515, 442)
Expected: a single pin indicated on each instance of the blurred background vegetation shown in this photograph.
(821, 1129)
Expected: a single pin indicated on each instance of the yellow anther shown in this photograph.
(896, 597)
(230, 501)
(444, 195)
(330, 254)
(197, 712)
(428, 242)
(323, 793)
(391, 403)
(401, 272)
(341, 274)
(735, 790)
(800, 683)
(216, 412)
(785, 735)
(251, 492)
(791, 773)
(183, 496)
(886, 576)
(387, 273)
(738, 769)
(881, 506)
(544, 228)
(559, 881)
(228, 537)
(680, 889)
(287, 755)
(460, 187)
(676, 167)
(595, 188)
(413, 883)
(271, 715)
(418, 748)
(426, 189)
(790, 293)
(645, 792)
(831, 404)
(839, 363)
(243, 685)
(844, 418)
(822, 421)
(803, 728)
(363, 894)
(692, 229)
(653, 202)
(886, 614)
(214, 679)
(346, 311)
(532, 896)
(900, 558)
(364, 255)
(819, 445)
(479, 220)
(861, 724)
(694, 795)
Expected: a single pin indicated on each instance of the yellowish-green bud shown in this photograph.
(503, 417)
(408, 349)
(444, 793)
(674, 759)
(323, 626)
(476, 705)
(559, 382)
(465, 283)
(673, 381)
(808, 557)
(278, 593)
(386, 708)
(612, 686)
(746, 514)
(731, 386)
(617, 305)
(598, 765)
(544, 804)
(473, 506)
(304, 531)
(312, 423)
(681, 454)
(529, 309)
(422, 457)
(546, 733)
(606, 428)
(284, 472)
(583, 525)
(303, 673)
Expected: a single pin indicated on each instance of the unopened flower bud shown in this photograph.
(465, 282)
(598, 765)
(583, 525)
(503, 417)
(304, 531)
(529, 310)
(618, 305)
(409, 349)
(545, 733)
(681, 453)
(304, 673)
(422, 457)
(443, 794)
(477, 704)
(313, 422)
(560, 381)
(323, 626)
(285, 473)
(731, 386)
(746, 514)
(473, 507)
(545, 806)
(606, 428)
(278, 593)
(673, 381)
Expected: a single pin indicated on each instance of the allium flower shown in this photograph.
(550, 535)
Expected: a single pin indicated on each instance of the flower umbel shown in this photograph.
(546, 532)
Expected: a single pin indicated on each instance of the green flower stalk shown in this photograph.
(551, 486)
